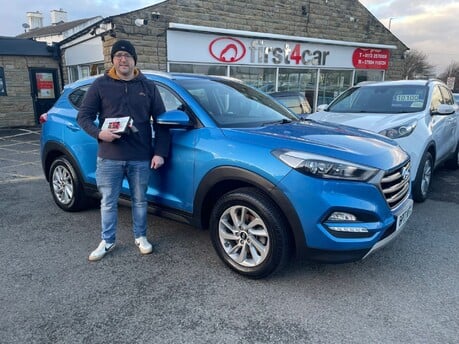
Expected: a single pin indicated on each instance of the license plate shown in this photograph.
(403, 217)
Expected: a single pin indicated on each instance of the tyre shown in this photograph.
(453, 163)
(249, 233)
(421, 185)
(66, 187)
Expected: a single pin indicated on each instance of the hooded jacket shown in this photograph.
(109, 97)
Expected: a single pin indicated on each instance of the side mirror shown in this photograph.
(444, 109)
(322, 107)
(175, 119)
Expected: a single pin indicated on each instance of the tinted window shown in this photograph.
(171, 102)
(77, 96)
(437, 99)
(447, 96)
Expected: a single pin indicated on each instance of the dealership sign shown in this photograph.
(194, 47)
(370, 58)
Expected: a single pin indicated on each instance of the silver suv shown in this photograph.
(421, 115)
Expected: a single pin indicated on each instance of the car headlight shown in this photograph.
(325, 167)
(400, 131)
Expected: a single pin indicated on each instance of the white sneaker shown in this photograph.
(143, 245)
(101, 251)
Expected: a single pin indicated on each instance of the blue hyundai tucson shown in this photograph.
(265, 184)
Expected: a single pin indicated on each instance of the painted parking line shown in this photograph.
(20, 179)
(19, 133)
(19, 155)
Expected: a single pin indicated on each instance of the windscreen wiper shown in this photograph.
(282, 121)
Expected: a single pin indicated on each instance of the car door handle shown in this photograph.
(73, 127)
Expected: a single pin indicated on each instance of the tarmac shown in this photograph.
(20, 154)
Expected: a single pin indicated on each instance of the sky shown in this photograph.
(429, 26)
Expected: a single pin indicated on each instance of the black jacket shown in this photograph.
(139, 98)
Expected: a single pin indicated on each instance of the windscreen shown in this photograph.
(233, 104)
(381, 99)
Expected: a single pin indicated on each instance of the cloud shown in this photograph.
(428, 26)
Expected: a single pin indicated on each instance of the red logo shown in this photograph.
(227, 49)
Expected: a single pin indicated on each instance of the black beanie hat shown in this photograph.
(124, 46)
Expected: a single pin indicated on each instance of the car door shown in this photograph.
(443, 127)
(172, 185)
(453, 119)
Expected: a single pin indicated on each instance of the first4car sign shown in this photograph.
(211, 48)
(231, 50)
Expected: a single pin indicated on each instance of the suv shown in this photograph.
(265, 184)
(421, 115)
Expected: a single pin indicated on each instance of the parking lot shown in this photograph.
(407, 292)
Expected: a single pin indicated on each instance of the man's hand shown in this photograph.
(156, 162)
(108, 136)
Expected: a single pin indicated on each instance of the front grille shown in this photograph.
(396, 185)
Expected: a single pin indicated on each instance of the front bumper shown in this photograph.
(318, 198)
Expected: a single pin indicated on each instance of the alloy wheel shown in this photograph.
(244, 236)
(63, 185)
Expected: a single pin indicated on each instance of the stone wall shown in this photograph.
(16, 108)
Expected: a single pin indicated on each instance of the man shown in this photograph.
(124, 91)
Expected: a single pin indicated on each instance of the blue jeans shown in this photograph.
(109, 177)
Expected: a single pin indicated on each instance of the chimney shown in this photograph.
(35, 20)
(58, 16)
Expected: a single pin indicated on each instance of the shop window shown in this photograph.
(197, 69)
(261, 78)
(303, 81)
(73, 73)
(368, 75)
(97, 69)
(84, 71)
(332, 83)
(2, 83)
(100, 69)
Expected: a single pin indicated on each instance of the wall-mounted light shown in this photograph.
(304, 10)
(155, 15)
(140, 22)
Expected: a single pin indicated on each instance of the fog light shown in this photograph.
(349, 229)
(341, 216)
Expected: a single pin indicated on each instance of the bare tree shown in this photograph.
(416, 66)
(451, 71)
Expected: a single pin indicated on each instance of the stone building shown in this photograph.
(30, 69)
(30, 80)
(319, 47)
